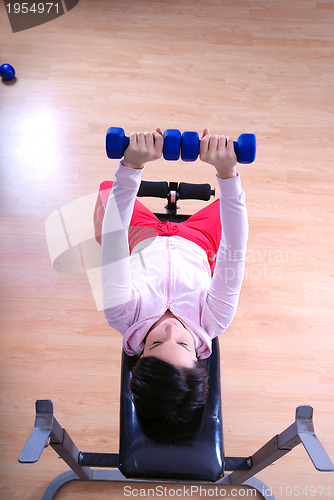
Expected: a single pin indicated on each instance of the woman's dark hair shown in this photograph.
(169, 400)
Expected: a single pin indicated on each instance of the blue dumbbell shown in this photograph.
(244, 147)
(117, 142)
(188, 143)
(172, 144)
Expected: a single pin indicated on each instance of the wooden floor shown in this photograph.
(262, 66)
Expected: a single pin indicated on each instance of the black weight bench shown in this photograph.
(199, 462)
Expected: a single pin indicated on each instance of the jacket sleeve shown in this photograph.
(223, 294)
(115, 256)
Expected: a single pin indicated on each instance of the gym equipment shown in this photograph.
(172, 144)
(244, 147)
(141, 460)
(188, 142)
(7, 72)
(174, 192)
(200, 461)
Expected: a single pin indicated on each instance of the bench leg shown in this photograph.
(58, 482)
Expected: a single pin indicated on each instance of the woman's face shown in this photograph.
(171, 342)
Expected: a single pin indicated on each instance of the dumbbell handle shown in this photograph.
(235, 145)
(126, 142)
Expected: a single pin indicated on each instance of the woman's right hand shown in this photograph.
(143, 147)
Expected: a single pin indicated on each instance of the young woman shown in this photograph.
(170, 288)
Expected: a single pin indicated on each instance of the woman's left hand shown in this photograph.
(218, 150)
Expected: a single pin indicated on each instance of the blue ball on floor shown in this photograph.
(7, 72)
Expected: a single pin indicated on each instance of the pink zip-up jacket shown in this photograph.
(170, 272)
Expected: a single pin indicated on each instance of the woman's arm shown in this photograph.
(115, 256)
(115, 261)
(223, 295)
